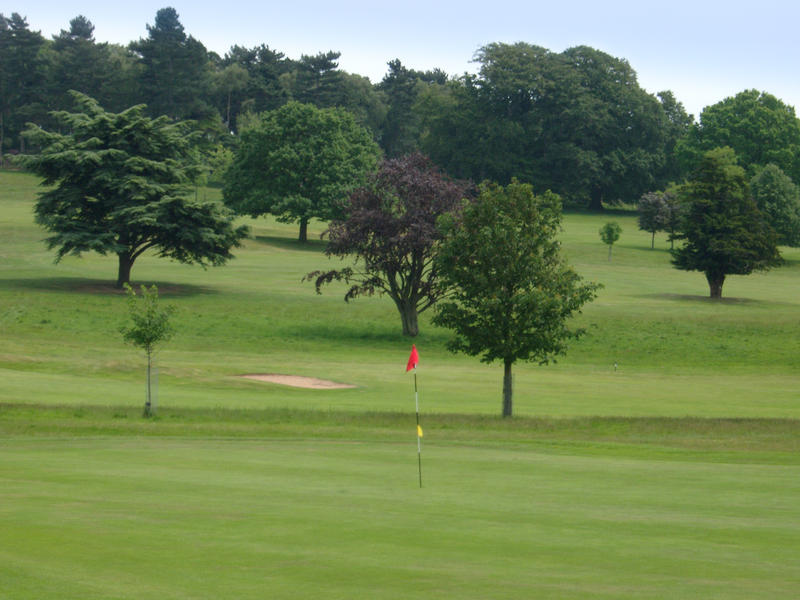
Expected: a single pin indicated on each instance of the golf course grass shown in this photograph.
(658, 459)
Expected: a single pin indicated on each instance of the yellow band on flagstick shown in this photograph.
(419, 431)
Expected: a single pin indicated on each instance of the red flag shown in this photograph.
(413, 359)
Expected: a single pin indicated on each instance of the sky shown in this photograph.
(703, 51)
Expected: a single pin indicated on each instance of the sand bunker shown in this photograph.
(297, 381)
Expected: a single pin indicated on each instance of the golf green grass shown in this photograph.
(658, 459)
(305, 513)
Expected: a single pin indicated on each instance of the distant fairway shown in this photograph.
(677, 352)
(677, 475)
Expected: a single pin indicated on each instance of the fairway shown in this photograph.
(198, 518)
(677, 353)
(659, 459)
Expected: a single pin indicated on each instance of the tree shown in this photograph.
(80, 64)
(318, 80)
(397, 132)
(674, 213)
(216, 161)
(651, 214)
(459, 133)
(724, 232)
(230, 79)
(363, 100)
(513, 293)
(389, 226)
(175, 75)
(661, 211)
(402, 87)
(264, 90)
(778, 199)
(609, 233)
(492, 125)
(150, 327)
(298, 162)
(117, 183)
(121, 83)
(616, 131)
(676, 126)
(576, 122)
(21, 77)
(759, 127)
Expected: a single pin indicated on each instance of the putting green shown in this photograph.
(174, 518)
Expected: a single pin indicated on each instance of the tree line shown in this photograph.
(575, 122)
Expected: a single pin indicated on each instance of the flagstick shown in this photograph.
(419, 444)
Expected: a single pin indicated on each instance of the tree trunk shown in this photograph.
(124, 271)
(609, 252)
(303, 238)
(508, 389)
(653, 241)
(715, 282)
(408, 313)
(2, 140)
(228, 114)
(148, 403)
(596, 200)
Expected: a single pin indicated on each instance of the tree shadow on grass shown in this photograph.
(345, 333)
(791, 263)
(707, 299)
(388, 334)
(99, 287)
(312, 245)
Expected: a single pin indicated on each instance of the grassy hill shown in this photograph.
(678, 353)
(675, 475)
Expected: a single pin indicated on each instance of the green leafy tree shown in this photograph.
(299, 162)
(576, 122)
(676, 126)
(674, 213)
(118, 183)
(513, 293)
(230, 80)
(490, 126)
(724, 232)
(610, 233)
(150, 326)
(459, 135)
(364, 101)
(389, 226)
(760, 128)
(651, 214)
(617, 134)
(216, 161)
(661, 211)
(778, 199)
